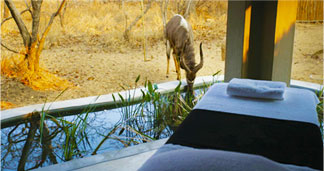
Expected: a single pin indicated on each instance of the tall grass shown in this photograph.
(74, 131)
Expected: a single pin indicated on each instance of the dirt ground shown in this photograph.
(95, 69)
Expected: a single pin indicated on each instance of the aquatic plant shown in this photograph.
(156, 116)
(72, 131)
(319, 109)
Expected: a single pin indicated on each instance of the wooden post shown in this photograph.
(234, 39)
(260, 38)
(284, 40)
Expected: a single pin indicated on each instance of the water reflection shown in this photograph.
(62, 139)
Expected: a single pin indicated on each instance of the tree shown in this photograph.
(25, 65)
(126, 33)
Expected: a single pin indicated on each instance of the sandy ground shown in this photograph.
(95, 69)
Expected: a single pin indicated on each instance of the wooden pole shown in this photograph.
(143, 22)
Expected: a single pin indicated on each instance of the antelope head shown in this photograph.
(191, 73)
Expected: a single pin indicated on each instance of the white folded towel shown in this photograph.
(256, 88)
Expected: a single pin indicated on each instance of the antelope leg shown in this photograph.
(179, 71)
(168, 50)
(168, 63)
(177, 66)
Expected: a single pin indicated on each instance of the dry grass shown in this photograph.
(94, 23)
(6, 105)
(107, 21)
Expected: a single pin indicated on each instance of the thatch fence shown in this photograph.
(310, 10)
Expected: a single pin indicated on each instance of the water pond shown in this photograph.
(39, 143)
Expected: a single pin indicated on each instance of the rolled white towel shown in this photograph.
(256, 88)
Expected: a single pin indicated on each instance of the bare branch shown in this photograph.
(62, 16)
(136, 20)
(6, 19)
(8, 48)
(27, 5)
(10, 143)
(60, 8)
(21, 26)
(42, 40)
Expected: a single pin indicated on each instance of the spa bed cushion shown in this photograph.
(283, 131)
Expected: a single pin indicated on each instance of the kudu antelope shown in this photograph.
(179, 37)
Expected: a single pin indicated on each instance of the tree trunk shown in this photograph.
(21, 26)
(47, 148)
(36, 16)
(33, 57)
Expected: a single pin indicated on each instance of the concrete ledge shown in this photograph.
(69, 107)
(306, 85)
(130, 158)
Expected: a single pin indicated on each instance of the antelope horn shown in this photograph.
(200, 65)
(183, 63)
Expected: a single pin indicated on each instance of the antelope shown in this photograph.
(179, 37)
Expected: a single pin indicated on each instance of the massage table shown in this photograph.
(225, 132)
